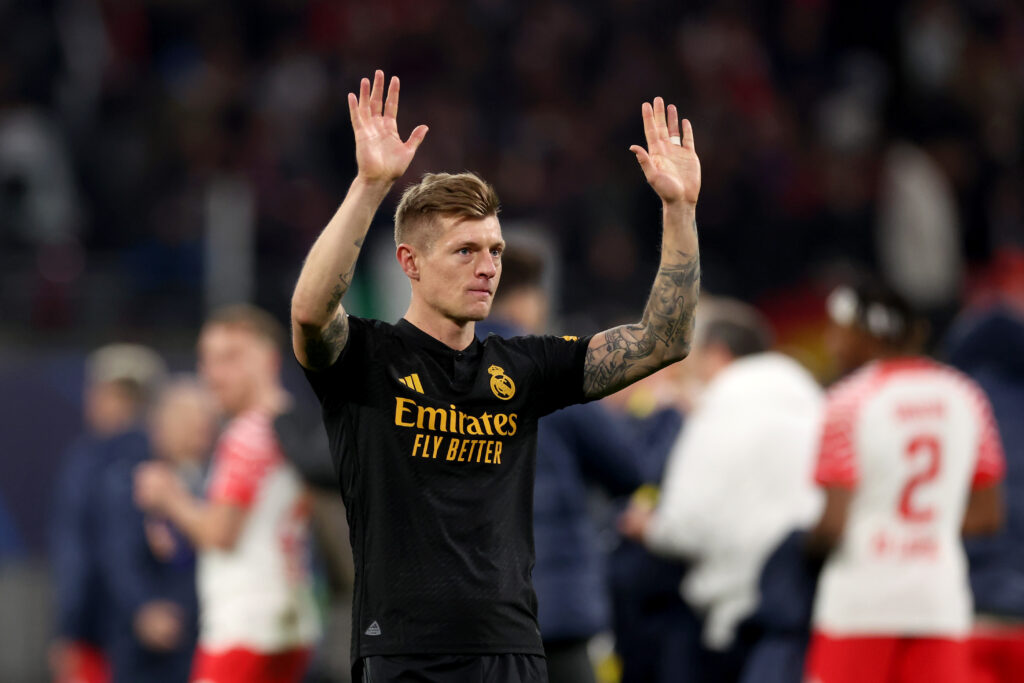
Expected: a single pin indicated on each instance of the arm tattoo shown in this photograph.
(324, 348)
(344, 282)
(625, 354)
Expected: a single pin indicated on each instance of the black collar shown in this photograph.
(432, 344)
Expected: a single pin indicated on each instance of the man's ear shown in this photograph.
(408, 259)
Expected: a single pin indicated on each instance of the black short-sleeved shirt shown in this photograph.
(436, 454)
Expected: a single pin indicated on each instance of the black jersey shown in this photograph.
(436, 452)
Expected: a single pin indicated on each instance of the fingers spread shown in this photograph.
(660, 127)
(353, 110)
(364, 97)
(377, 94)
(688, 135)
(648, 115)
(391, 103)
(643, 158)
(416, 137)
(673, 120)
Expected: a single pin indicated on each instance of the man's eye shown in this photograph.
(496, 253)
(464, 251)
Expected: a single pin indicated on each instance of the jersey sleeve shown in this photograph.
(991, 463)
(338, 382)
(246, 452)
(560, 362)
(837, 458)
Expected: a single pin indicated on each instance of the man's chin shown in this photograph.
(478, 313)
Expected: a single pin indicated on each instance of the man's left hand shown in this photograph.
(155, 485)
(670, 161)
(634, 521)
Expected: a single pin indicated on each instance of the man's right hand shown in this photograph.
(381, 155)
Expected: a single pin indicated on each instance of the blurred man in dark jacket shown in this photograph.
(576, 448)
(120, 379)
(147, 566)
(988, 345)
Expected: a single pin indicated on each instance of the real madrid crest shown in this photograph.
(501, 384)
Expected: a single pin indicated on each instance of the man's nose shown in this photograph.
(485, 265)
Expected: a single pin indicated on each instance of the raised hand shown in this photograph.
(670, 161)
(380, 153)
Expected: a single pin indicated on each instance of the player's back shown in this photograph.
(909, 436)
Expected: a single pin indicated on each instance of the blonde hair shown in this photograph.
(251, 318)
(464, 195)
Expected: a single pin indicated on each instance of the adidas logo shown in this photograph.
(374, 629)
(413, 382)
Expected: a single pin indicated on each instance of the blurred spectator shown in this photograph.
(149, 570)
(654, 629)
(120, 380)
(738, 477)
(257, 619)
(578, 448)
(988, 344)
(910, 459)
(828, 124)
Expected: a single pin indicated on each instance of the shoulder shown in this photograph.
(249, 436)
(534, 344)
(858, 386)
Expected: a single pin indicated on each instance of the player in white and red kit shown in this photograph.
(910, 459)
(258, 621)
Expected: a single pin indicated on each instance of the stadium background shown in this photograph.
(159, 157)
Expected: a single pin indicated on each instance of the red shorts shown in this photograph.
(997, 654)
(888, 659)
(245, 666)
(84, 664)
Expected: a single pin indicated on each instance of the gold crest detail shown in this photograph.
(501, 384)
(569, 337)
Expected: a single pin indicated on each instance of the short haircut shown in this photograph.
(738, 327)
(871, 305)
(464, 195)
(137, 369)
(251, 318)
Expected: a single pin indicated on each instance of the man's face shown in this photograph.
(182, 425)
(235, 364)
(459, 272)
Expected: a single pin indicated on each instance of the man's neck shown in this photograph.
(272, 400)
(452, 333)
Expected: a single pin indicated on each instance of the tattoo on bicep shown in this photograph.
(323, 349)
(630, 352)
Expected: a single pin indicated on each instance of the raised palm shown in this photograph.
(670, 161)
(380, 153)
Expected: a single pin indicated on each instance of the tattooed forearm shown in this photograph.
(344, 281)
(322, 347)
(622, 355)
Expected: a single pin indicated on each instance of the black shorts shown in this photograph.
(504, 668)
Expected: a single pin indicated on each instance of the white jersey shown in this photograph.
(258, 595)
(911, 437)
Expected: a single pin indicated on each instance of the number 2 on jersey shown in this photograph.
(925, 447)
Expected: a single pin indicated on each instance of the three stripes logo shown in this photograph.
(374, 629)
(413, 382)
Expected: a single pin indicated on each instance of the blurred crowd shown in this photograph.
(680, 525)
(884, 135)
(836, 138)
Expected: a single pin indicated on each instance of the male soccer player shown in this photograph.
(257, 616)
(434, 431)
(909, 459)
